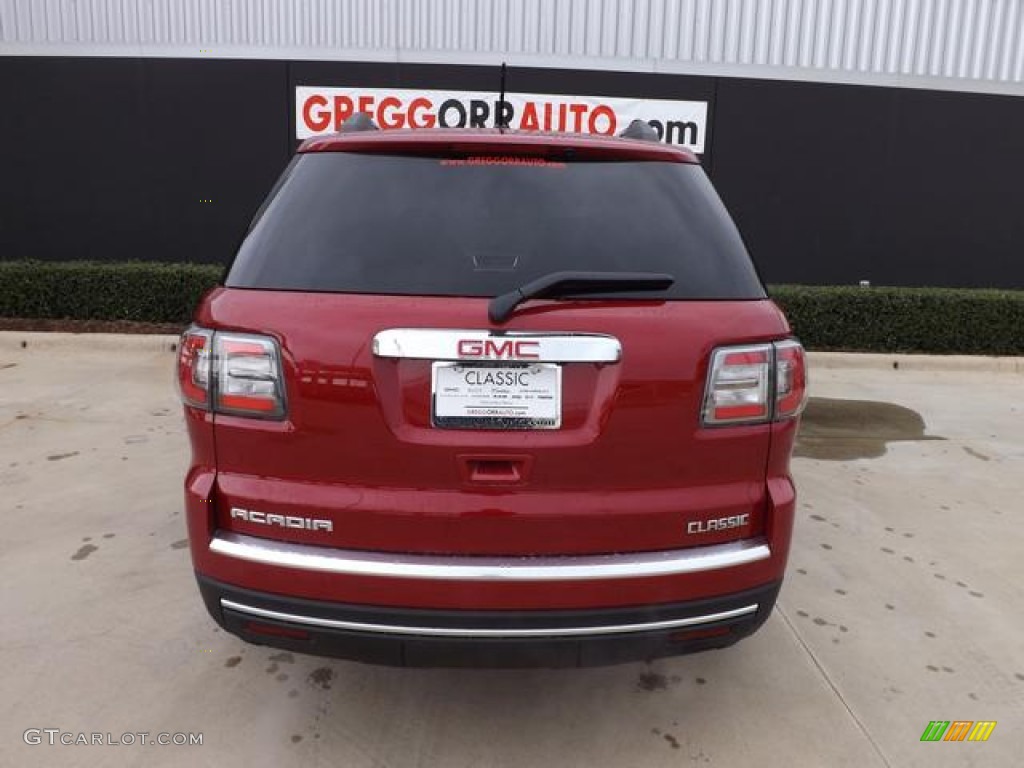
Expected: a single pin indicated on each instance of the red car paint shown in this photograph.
(630, 466)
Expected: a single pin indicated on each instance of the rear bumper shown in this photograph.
(404, 578)
(441, 637)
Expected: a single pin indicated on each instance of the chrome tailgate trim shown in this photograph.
(482, 346)
(632, 565)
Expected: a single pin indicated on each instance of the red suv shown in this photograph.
(480, 397)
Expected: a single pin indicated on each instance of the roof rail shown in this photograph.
(638, 129)
(360, 121)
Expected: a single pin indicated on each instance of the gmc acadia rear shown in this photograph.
(480, 397)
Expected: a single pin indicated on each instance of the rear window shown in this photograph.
(482, 226)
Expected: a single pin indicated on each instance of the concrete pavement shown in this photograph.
(903, 600)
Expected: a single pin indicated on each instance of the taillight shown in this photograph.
(756, 383)
(248, 375)
(739, 385)
(234, 373)
(194, 356)
(790, 379)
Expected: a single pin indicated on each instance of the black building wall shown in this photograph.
(114, 159)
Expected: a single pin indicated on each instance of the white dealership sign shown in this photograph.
(322, 110)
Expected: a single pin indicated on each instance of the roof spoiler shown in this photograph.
(638, 129)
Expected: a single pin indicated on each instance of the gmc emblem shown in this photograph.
(507, 349)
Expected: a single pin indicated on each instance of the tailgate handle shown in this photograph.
(495, 470)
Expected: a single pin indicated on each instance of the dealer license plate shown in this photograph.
(497, 397)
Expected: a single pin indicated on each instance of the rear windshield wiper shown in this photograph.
(570, 283)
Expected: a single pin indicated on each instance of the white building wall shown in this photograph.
(947, 44)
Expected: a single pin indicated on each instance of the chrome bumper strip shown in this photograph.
(632, 565)
(358, 626)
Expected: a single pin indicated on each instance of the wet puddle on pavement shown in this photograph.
(844, 430)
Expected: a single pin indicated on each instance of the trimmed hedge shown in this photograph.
(939, 320)
(935, 320)
(82, 290)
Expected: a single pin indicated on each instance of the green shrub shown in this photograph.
(81, 290)
(938, 320)
(941, 320)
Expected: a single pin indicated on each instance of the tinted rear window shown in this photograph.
(384, 224)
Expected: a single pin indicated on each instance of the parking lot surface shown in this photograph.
(903, 602)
